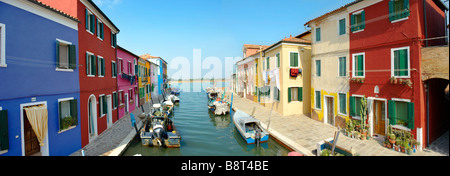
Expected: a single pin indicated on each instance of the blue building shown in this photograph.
(39, 80)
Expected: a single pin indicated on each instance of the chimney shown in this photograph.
(290, 36)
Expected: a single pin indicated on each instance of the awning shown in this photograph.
(38, 116)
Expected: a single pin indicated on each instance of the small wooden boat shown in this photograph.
(249, 128)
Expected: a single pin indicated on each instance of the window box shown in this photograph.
(357, 80)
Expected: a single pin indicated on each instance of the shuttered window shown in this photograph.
(113, 69)
(401, 113)
(355, 106)
(68, 114)
(398, 9)
(100, 31)
(4, 138)
(278, 59)
(318, 35)
(91, 64)
(90, 21)
(101, 66)
(65, 55)
(293, 59)
(317, 99)
(400, 62)
(342, 27)
(342, 103)
(318, 68)
(115, 101)
(358, 21)
(342, 66)
(358, 65)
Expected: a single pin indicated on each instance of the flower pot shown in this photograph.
(396, 147)
(409, 152)
(395, 81)
(384, 144)
(392, 141)
(400, 81)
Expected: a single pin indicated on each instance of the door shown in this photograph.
(380, 117)
(32, 147)
(329, 110)
(109, 110)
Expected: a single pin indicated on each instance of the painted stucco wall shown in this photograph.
(31, 73)
(331, 46)
(124, 84)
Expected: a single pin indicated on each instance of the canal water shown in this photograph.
(205, 134)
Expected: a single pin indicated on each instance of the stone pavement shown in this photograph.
(304, 132)
(112, 137)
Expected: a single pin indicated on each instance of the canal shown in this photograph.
(205, 134)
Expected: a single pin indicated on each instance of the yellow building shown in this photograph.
(144, 81)
(275, 63)
(330, 64)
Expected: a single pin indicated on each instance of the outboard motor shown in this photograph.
(257, 136)
(158, 132)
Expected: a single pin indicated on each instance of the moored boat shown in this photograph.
(250, 128)
(159, 129)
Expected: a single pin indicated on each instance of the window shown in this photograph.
(342, 66)
(130, 92)
(318, 68)
(115, 100)
(317, 99)
(130, 68)
(278, 59)
(342, 27)
(401, 113)
(68, 113)
(90, 64)
(2, 45)
(398, 9)
(102, 104)
(355, 106)
(65, 55)
(121, 100)
(113, 69)
(358, 65)
(90, 22)
(293, 58)
(100, 30)
(268, 65)
(101, 66)
(113, 40)
(342, 103)
(120, 65)
(400, 62)
(295, 94)
(357, 21)
(317, 34)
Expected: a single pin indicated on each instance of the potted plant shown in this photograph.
(393, 80)
(408, 82)
(409, 150)
(392, 138)
(400, 81)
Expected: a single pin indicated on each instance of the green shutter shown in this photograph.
(391, 11)
(352, 106)
(318, 68)
(300, 94)
(93, 65)
(352, 23)
(103, 67)
(396, 63)
(99, 66)
(363, 20)
(92, 28)
(392, 112)
(342, 26)
(112, 39)
(72, 57)
(87, 61)
(317, 34)
(101, 31)
(105, 106)
(291, 59)
(360, 66)
(410, 115)
(57, 53)
(296, 60)
(87, 19)
(112, 69)
(74, 111)
(4, 137)
(403, 60)
(278, 60)
(60, 117)
(406, 8)
(289, 94)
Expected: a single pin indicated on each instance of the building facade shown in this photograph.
(386, 38)
(40, 95)
(143, 81)
(329, 64)
(97, 36)
(126, 99)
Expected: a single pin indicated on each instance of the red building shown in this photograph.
(98, 74)
(386, 38)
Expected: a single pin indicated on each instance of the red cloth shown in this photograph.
(294, 154)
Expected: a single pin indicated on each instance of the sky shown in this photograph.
(204, 38)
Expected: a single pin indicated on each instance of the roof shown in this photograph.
(103, 14)
(55, 10)
(289, 40)
(333, 11)
(252, 46)
(129, 52)
(148, 56)
(303, 34)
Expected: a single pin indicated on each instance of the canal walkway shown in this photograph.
(302, 133)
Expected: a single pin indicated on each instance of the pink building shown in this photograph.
(127, 83)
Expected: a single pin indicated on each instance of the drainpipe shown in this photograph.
(425, 22)
(427, 90)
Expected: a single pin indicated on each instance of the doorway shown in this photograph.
(92, 114)
(127, 103)
(379, 113)
(30, 142)
(329, 110)
(109, 110)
